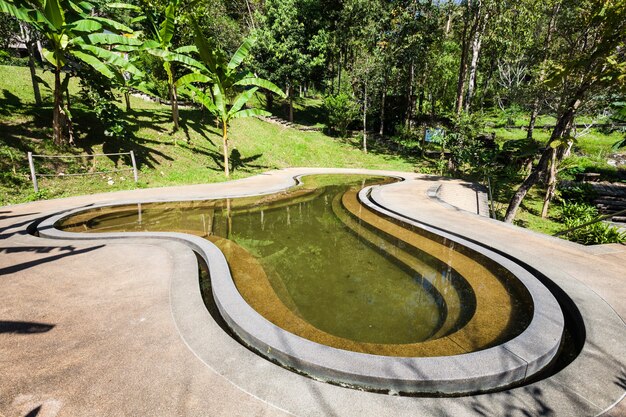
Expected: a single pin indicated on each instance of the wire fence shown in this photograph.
(34, 174)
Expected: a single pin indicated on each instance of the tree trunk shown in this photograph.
(225, 145)
(460, 89)
(269, 101)
(57, 132)
(382, 105)
(365, 117)
(409, 101)
(476, 45)
(290, 103)
(174, 100)
(33, 73)
(533, 116)
(127, 99)
(551, 185)
(339, 64)
(68, 119)
(563, 125)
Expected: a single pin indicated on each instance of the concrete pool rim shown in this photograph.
(485, 370)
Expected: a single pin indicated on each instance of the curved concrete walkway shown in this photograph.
(86, 330)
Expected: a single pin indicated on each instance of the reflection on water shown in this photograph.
(316, 262)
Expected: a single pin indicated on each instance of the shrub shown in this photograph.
(407, 138)
(341, 110)
(576, 214)
(6, 58)
(578, 193)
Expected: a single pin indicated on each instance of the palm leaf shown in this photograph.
(75, 7)
(250, 112)
(52, 57)
(117, 26)
(220, 100)
(107, 39)
(54, 13)
(43, 82)
(241, 100)
(125, 6)
(204, 49)
(194, 77)
(205, 99)
(261, 83)
(240, 54)
(168, 24)
(86, 6)
(110, 57)
(186, 49)
(174, 57)
(84, 25)
(95, 63)
(19, 13)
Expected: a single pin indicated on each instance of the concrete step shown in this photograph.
(610, 203)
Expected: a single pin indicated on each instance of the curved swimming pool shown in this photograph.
(319, 264)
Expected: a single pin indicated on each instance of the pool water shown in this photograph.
(316, 262)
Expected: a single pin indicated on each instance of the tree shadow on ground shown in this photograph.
(9, 103)
(24, 327)
(63, 252)
(244, 164)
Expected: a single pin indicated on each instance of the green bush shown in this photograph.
(578, 193)
(408, 138)
(576, 214)
(6, 58)
(578, 211)
(341, 110)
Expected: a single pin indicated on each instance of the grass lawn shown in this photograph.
(190, 156)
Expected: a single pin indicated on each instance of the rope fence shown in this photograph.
(34, 174)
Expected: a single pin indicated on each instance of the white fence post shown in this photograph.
(132, 158)
(33, 174)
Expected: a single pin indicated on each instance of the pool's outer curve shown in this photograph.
(490, 369)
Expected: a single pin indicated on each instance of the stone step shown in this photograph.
(610, 203)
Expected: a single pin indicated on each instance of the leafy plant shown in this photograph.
(160, 43)
(577, 214)
(578, 193)
(73, 32)
(225, 78)
(98, 95)
(341, 110)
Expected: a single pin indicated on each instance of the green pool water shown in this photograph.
(309, 262)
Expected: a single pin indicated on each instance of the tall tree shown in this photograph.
(289, 49)
(591, 58)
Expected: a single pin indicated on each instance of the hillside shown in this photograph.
(191, 156)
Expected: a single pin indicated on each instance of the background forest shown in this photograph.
(522, 96)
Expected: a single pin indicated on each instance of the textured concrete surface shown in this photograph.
(84, 330)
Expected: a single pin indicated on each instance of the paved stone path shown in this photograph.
(85, 330)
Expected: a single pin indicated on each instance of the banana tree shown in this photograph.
(159, 44)
(72, 32)
(228, 83)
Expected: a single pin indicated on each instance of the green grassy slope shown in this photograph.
(191, 156)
